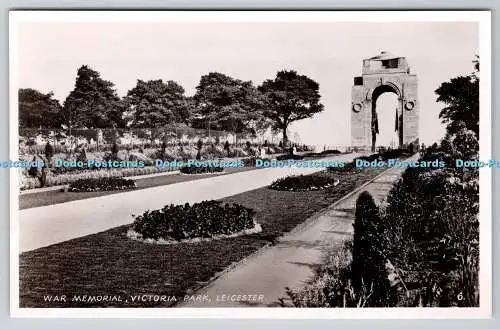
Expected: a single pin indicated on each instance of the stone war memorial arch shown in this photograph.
(381, 74)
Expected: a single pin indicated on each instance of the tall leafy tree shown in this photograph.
(155, 103)
(290, 97)
(229, 104)
(461, 96)
(38, 110)
(93, 103)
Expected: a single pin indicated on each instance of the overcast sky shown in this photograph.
(329, 53)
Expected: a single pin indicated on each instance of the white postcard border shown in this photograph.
(485, 213)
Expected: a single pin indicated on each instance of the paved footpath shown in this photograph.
(290, 263)
(47, 225)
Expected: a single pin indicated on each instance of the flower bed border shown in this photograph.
(138, 237)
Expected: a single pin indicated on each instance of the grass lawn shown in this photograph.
(110, 264)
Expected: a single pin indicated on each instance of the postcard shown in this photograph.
(250, 164)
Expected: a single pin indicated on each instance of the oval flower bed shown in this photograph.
(299, 183)
(204, 221)
(102, 184)
(193, 170)
(347, 168)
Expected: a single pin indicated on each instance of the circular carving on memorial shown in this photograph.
(357, 107)
(410, 105)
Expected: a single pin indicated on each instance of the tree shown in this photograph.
(368, 263)
(461, 95)
(155, 103)
(38, 110)
(49, 151)
(93, 103)
(290, 97)
(229, 104)
(199, 146)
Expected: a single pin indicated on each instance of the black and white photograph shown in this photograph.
(262, 164)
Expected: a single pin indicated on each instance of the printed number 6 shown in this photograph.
(460, 296)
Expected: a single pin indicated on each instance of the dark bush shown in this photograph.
(49, 151)
(368, 263)
(298, 183)
(200, 170)
(331, 152)
(82, 156)
(102, 184)
(34, 171)
(199, 144)
(200, 220)
(114, 149)
(290, 157)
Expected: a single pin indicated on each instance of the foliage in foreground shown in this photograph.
(420, 249)
(332, 286)
(102, 184)
(206, 219)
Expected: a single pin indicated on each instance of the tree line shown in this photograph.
(220, 102)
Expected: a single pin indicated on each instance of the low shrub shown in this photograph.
(207, 219)
(102, 184)
(368, 261)
(322, 153)
(298, 183)
(192, 170)
(290, 157)
(331, 152)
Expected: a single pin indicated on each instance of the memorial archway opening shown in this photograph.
(385, 104)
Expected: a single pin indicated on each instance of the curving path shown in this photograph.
(47, 225)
